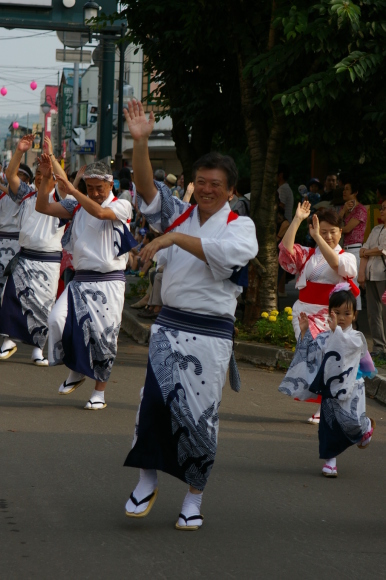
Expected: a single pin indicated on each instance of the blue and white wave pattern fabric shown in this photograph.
(329, 366)
(177, 422)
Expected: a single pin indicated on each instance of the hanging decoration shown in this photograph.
(15, 125)
(34, 85)
(3, 91)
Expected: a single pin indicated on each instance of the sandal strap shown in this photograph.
(198, 517)
(95, 402)
(6, 350)
(65, 384)
(144, 500)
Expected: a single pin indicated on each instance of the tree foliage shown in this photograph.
(267, 73)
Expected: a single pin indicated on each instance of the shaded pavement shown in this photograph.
(268, 511)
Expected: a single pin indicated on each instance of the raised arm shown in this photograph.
(329, 254)
(140, 129)
(302, 213)
(43, 204)
(24, 144)
(58, 169)
(93, 208)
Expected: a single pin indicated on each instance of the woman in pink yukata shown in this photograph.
(318, 270)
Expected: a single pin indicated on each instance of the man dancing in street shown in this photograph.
(84, 323)
(30, 290)
(205, 248)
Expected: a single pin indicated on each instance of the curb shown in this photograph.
(262, 355)
(376, 388)
(133, 328)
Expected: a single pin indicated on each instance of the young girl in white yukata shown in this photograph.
(333, 365)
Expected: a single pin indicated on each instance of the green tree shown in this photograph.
(305, 72)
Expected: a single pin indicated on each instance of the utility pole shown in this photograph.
(122, 48)
(105, 111)
(75, 98)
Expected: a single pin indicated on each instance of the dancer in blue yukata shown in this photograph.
(30, 290)
(333, 365)
(85, 322)
(205, 249)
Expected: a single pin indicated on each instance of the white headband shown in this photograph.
(106, 177)
(25, 172)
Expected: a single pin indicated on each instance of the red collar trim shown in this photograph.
(28, 195)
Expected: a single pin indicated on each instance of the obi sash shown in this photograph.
(315, 293)
(41, 256)
(94, 276)
(9, 235)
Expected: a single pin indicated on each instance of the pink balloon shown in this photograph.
(15, 125)
(34, 85)
(3, 91)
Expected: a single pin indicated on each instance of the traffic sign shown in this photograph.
(89, 148)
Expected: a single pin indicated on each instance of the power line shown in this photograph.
(26, 36)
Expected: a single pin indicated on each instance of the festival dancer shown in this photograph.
(318, 269)
(205, 249)
(333, 365)
(9, 229)
(84, 323)
(30, 290)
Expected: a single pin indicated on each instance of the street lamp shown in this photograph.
(90, 11)
(45, 107)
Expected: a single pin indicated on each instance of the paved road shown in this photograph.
(268, 511)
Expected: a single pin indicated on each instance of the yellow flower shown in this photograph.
(264, 315)
(288, 309)
(293, 349)
(289, 317)
(272, 318)
(274, 313)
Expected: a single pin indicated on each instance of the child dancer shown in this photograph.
(333, 365)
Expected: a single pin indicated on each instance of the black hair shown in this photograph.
(330, 216)
(150, 236)
(382, 189)
(342, 297)
(125, 173)
(284, 169)
(82, 187)
(329, 173)
(73, 175)
(25, 167)
(215, 160)
(354, 183)
(280, 211)
(125, 183)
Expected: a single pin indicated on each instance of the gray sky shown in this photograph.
(27, 55)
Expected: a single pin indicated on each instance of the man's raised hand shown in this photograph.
(139, 126)
(25, 143)
(48, 145)
(45, 165)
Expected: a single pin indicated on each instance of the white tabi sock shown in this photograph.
(331, 462)
(97, 396)
(7, 344)
(37, 354)
(147, 484)
(68, 385)
(191, 507)
(74, 377)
